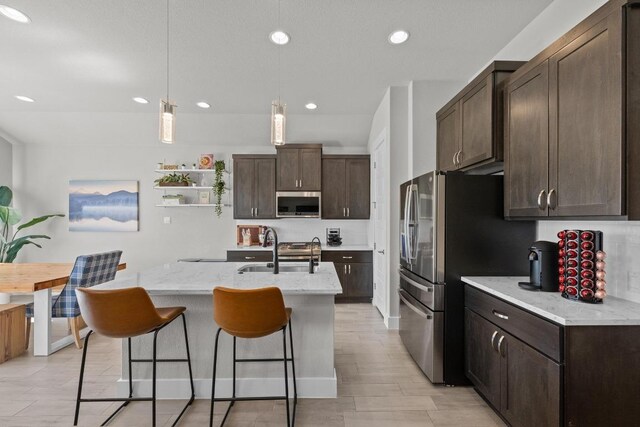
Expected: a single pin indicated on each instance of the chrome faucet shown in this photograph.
(311, 263)
(276, 262)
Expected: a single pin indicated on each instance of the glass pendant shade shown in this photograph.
(167, 121)
(278, 123)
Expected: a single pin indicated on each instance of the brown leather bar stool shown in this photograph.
(253, 313)
(128, 313)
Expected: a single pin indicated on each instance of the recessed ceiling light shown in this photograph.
(279, 37)
(398, 37)
(203, 104)
(311, 106)
(25, 98)
(141, 100)
(14, 14)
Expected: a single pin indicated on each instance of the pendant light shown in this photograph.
(278, 109)
(167, 108)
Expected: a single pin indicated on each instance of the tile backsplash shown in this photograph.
(621, 242)
(353, 232)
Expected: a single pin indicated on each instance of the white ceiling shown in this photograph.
(83, 56)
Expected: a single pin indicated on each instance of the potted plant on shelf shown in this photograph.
(10, 246)
(218, 185)
(174, 180)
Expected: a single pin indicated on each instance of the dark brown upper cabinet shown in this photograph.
(299, 167)
(469, 134)
(571, 130)
(346, 183)
(254, 186)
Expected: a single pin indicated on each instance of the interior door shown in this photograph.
(586, 159)
(526, 171)
(380, 214)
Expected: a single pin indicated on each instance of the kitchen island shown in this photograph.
(311, 296)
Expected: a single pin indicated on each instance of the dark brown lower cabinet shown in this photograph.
(537, 373)
(355, 271)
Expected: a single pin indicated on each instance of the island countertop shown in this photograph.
(199, 278)
(551, 306)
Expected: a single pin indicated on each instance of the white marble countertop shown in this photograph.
(199, 278)
(324, 247)
(551, 306)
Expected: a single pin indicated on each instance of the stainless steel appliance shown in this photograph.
(298, 204)
(298, 251)
(451, 224)
(543, 267)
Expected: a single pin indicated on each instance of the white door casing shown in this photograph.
(380, 168)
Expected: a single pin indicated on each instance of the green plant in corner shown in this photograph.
(9, 217)
(218, 185)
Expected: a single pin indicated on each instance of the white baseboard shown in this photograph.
(179, 388)
(392, 322)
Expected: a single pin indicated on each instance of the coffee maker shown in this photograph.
(543, 267)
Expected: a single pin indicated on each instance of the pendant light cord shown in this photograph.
(167, 51)
(279, 48)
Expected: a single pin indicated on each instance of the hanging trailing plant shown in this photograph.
(218, 185)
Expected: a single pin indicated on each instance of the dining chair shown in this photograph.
(88, 270)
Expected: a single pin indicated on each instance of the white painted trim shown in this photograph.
(180, 389)
(392, 322)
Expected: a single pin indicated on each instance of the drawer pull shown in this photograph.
(500, 345)
(249, 257)
(500, 315)
(413, 307)
(493, 339)
(347, 257)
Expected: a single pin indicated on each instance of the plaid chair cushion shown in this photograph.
(89, 270)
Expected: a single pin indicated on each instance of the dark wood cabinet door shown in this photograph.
(527, 144)
(265, 188)
(360, 280)
(341, 270)
(243, 188)
(586, 158)
(358, 177)
(310, 169)
(476, 113)
(448, 138)
(482, 361)
(287, 169)
(530, 391)
(333, 181)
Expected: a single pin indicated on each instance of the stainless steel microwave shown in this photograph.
(298, 204)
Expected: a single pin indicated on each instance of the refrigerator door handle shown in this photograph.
(414, 283)
(406, 224)
(413, 307)
(414, 208)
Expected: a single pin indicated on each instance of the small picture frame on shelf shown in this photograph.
(204, 198)
(206, 161)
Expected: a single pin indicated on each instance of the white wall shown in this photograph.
(425, 98)
(392, 120)
(6, 162)
(42, 174)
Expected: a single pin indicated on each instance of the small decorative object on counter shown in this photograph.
(246, 237)
(206, 161)
(581, 265)
(261, 235)
(333, 237)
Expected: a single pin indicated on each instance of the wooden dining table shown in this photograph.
(39, 279)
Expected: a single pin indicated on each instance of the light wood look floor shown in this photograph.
(378, 385)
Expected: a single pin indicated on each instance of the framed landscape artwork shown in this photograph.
(103, 205)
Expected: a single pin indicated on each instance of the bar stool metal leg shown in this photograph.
(293, 371)
(153, 381)
(213, 379)
(286, 376)
(84, 358)
(130, 369)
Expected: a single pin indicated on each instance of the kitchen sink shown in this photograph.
(255, 268)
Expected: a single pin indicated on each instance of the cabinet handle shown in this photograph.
(500, 345)
(455, 156)
(500, 315)
(349, 268)
(249, 257)
(347, 257)
(348, 213)
(300, 183)
(541, 200)
(459, 157)
(381, 252)
(344, 211)
(345, 269)
(256, 211)
(552, 201)
(493, 339)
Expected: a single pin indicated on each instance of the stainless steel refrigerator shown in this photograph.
(451, 225)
